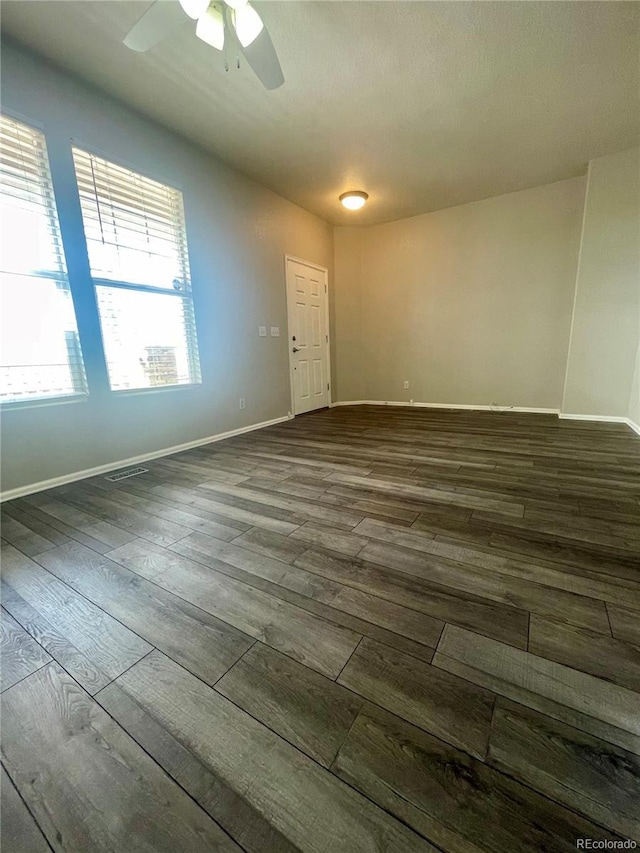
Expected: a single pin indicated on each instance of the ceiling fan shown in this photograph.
(216, 21)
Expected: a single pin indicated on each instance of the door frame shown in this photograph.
(297, 260)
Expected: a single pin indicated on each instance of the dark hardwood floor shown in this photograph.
(368, 629)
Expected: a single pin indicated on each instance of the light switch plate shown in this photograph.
(262, 331)
(275, 331)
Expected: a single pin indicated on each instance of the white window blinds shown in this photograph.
(137, 246)
(40, 354)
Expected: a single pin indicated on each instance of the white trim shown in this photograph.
(21, 491)
(36, 402)
(634, 426)
(606, 419)
(324, 270)
(528, 409)
(41, 486)
(305, 263)
(368, 403)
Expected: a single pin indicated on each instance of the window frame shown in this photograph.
(188, 296)
(61, 276)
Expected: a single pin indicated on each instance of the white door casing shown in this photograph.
(308, 335)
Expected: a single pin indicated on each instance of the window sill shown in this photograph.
(37, 402)
(159, 389)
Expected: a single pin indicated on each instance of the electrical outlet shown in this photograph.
(242, 402)
(262, 331)
(275, 331)
(406, 384)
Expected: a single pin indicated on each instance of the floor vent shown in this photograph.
(129, 472)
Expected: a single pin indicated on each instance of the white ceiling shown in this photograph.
(424, 105)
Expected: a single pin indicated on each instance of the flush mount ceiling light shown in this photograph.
(354, 199)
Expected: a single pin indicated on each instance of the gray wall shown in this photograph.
(606, 318)
(472, 305)
(238, 234)
(348, 329)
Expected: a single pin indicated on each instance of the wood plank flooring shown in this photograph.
(367, 629)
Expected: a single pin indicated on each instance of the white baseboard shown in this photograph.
(526, 409)
(31, 489)
(41, 486)
(634, 426)
(447, 406)
(607, 419)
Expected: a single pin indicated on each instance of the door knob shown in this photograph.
(295, 349)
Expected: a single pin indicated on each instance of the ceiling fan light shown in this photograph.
(210, 28)
(195, 8)
(354, 199)
(247, 23)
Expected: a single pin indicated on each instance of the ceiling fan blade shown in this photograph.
(261, 56)
(157, 23)
(210, 27)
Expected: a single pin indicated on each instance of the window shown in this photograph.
(137, 248)
(40, 353)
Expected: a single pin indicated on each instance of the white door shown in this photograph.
(308, 336)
